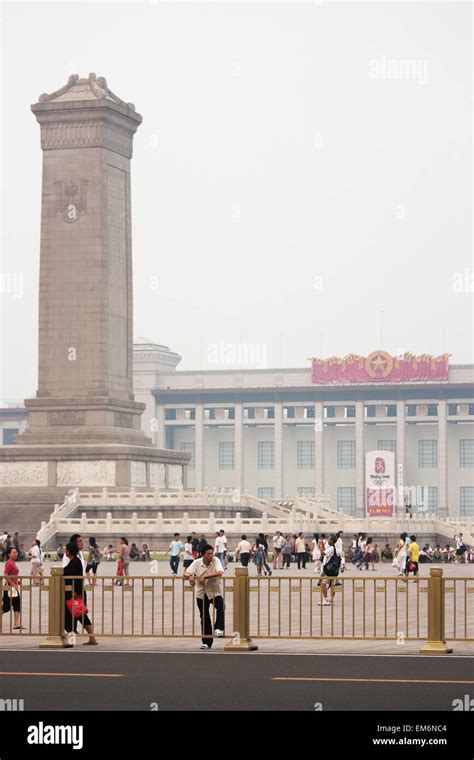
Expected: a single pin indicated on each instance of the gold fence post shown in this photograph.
(436, 643)
(241, 641)
(56, 638)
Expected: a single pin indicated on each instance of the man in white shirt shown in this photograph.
(242, 551)
(176, 547)
(205, 574)
(76, 539)
(221, 548)
(278, 543)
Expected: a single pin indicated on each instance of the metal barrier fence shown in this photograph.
(426, 609)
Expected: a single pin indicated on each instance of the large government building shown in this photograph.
(275, 433)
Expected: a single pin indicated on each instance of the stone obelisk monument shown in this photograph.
(84, 423)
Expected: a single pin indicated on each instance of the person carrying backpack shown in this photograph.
(260, 557)
(330, 570)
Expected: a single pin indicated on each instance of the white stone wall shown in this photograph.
(98, 473)
(23, 474)
(138, 474)
(157, 475)
(175, 476)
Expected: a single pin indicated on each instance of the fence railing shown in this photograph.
(390, 608)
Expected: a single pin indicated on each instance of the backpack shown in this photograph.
(331, 568)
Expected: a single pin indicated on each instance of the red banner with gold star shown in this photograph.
(379, 366)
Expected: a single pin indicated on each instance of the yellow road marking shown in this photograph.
(370, 680)
(79, 675)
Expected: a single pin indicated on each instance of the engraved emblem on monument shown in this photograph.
(67, 202)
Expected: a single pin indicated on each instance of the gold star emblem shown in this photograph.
(379, 364)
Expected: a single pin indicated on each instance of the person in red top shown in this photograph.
(11, 595)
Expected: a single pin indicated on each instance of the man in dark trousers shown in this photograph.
(205, 574)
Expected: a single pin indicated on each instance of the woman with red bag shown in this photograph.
(75, 599)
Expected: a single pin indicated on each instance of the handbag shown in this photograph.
(120, 567)
(76, 607)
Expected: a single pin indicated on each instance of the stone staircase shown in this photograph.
(24, 509)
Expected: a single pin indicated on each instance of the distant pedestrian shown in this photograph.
(330, 570)
(93, 560)
(123, 564)
(202, 544)
(400, 554)
(413, 558)
(286, 552)
(461, 548)
(36, 558)
(3, 545)
(278, 543)
(300, 549)
(261, 557)
(188, 552)
(340, 549)
(221, 548)
(368, 556)
(195, 543)
(176, 547)
(243, 551)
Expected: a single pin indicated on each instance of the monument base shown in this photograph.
(91, 465)
(35, 478)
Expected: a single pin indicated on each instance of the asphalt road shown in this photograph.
(94, 680)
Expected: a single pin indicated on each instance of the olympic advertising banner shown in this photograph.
(380, 483)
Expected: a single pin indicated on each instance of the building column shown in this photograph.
(278, 438)
(238, 448)
(400, 456)
(442, 459)
(318, 449)
(159, 437)
(199, 447)
(360, 460)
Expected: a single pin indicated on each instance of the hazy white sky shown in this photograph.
(300, 167)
